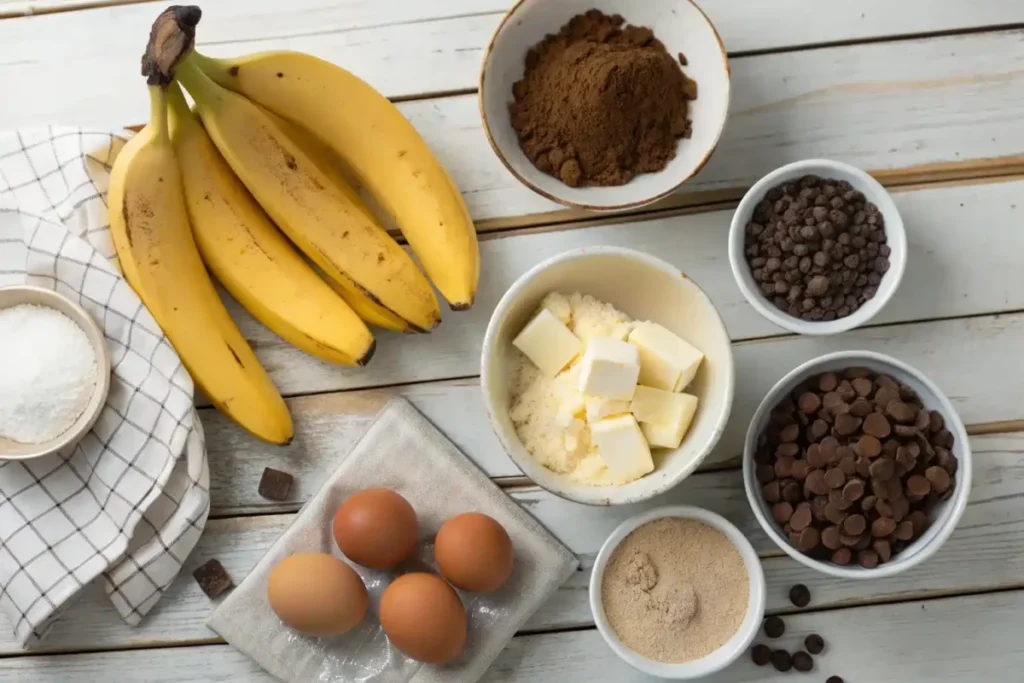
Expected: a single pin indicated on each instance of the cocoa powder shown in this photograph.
(601, 102)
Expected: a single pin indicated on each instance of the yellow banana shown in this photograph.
(328, 223)
(150, 229)
(384, 152)
(329, 165)
(250, 256)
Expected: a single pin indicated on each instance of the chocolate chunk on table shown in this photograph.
(275, 485)
(212, 578)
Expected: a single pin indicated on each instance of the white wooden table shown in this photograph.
(927, 94)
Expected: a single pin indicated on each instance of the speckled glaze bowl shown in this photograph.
(679, 24)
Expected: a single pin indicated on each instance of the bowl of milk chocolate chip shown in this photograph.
(602, 393)
(857, 465)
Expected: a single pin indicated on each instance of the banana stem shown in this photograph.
(158, 112)
(197, 82)
(178, 113)
(171, 38)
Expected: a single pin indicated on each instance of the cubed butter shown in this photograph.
(610, 368)
(548, 343)
(600, 407)
(672, 418)
(622, 446)
(666, 361)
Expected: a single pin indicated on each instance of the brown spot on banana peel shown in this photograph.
(235, 356)
(461, 305)
(233, 71)
(127, 222)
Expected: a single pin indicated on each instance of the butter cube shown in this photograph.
(666, 361)
(600, 407)
(610, 368)
(548, 343)
(665, 418)
(622, 446)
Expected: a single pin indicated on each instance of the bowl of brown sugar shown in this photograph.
(604, 105)
(678, 592)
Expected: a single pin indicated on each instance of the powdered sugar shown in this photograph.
(47, 373)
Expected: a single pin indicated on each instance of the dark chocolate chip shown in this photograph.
(800, 595)
(814, 643)
(802, 661)
(774, 627)
(761, 654)
(781, 660)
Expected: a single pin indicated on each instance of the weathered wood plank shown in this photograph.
(973, 638)
(405, 48)
(941, 641)
(953, 270)
(884, 106)
(971, 359)
(985, 553)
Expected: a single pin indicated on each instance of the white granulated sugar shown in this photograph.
(47, 373)
(549, 413)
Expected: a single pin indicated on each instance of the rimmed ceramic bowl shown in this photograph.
(25, 294)
(946, 514)
(645, 288)
(896, 238)
(731, 649)
(679, 24)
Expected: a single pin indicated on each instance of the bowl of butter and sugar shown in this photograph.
(607, 375)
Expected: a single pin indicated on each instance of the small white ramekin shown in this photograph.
(39, 296)
(732, 648)
(946, 514)
(896, 238)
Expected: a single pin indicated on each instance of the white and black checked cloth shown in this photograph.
(130, 500)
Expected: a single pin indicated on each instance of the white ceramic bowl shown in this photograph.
(679, 24)
(896, 238)
(946, 514)
(732, 648)
(14, 296)
(644, 288)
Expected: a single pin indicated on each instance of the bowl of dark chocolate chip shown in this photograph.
(607, 105)
(857, 465)
(818, 247)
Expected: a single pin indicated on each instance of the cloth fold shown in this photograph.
(402, 451)
(130, 500)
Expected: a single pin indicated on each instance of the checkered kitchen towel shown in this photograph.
(131, 499)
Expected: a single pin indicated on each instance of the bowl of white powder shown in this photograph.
(546, 420)
(54, 372)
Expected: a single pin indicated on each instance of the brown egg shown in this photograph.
(317, 594)
(423, 618)
(474, 552)
(376, 528)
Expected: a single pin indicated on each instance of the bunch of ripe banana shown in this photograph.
(258, 173)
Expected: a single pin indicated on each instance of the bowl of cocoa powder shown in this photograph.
(604, 105)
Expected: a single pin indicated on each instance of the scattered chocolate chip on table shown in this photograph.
(802, 661)
(761, 654)
(781, 660)
(800, 595)
(774, 627)
(814, 643)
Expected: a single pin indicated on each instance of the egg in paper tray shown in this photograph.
(402, 451)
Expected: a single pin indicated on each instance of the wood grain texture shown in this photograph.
(985, 553)
(971, 359)
(952, 271)
(936, 102)
(953, 640)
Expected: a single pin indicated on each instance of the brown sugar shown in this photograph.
(601, 102)
(675, 590)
